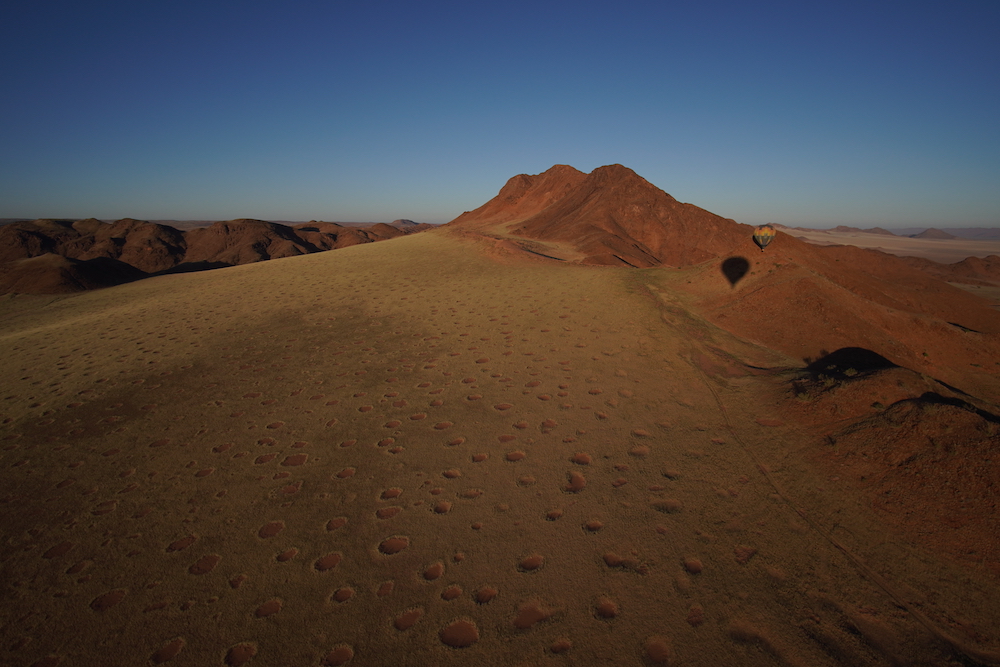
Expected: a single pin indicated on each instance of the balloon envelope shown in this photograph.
(763, 235)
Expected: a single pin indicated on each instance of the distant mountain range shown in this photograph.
(194, 224)
(50, 256)
(611, 216)
(976, 233)
(979, 233)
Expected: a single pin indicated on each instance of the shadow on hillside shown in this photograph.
(848, 362)
(937, 399)
(734, 268)
(194, 267)
(106, 271)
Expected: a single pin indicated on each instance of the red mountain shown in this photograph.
(610, 216)
(798, 298)
(147, 246)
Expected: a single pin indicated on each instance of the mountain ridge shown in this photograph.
(149, 248)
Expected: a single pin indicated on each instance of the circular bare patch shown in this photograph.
(460, 634)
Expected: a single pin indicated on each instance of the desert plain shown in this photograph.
(464, 447)
(945, 251)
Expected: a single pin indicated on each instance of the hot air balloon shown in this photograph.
(763, 235)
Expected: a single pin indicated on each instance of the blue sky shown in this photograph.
(817, 114)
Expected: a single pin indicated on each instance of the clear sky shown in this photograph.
(872, 112)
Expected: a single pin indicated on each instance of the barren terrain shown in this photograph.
(441, 450)
(473, 446)
(946, 251)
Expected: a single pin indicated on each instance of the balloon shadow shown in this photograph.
(847, 362)
(734, 268)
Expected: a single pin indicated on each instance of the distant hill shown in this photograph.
(933, 234)
(981, 233)
(843, 229)
(977, 233)
(125, 250)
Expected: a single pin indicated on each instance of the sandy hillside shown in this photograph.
(438, 450)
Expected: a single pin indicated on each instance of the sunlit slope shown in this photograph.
(429, 451)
